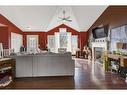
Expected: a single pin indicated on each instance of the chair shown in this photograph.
(62, 50)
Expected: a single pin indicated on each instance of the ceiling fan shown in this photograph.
(65, 18)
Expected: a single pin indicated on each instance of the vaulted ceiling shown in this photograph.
(44, 18)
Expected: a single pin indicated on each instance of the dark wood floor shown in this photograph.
(87, 76)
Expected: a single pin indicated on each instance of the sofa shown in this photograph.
(46, 64)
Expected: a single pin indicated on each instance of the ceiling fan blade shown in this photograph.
(68, 20)
(68, 17)
(64, 18)
(60, 18)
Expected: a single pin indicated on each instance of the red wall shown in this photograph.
(82, 36)
(42, 38)
(5, 32)
(69, 29)
(4, 36)
(11, 26)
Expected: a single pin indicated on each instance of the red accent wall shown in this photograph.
(69, 29)
(41, 35)
(11, 26)
(4, 36)
(5, 32)
(82, 36)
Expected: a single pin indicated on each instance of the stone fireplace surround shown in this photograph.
(99, 43)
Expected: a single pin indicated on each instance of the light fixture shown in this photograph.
(28, 28)
(64, 18)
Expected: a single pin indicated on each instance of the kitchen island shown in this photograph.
(46, 64)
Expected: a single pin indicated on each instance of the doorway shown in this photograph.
(32, 42)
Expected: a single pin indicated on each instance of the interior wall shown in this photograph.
(4, 37)
(11, 26)
(5, 32)
(114, 16)
(82, 36)
(42, 38)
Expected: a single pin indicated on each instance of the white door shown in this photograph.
(16, 41)
(32, 42)
(74, 43)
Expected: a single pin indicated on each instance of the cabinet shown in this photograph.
(49, 64)
(24, 66)
(41, 66)
(7, 72)
(120, 63)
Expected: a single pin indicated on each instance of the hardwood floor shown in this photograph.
(87, 76)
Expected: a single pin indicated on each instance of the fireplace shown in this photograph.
(98, 48)
(98, 55)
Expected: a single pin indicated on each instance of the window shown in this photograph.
(63, 39)
(118, 34)
(16, 42)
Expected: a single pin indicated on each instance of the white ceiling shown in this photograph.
(44, 18)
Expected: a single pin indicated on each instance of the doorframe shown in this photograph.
(36, 36)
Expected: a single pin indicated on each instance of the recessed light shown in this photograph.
(28, 28)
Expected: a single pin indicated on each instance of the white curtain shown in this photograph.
(1, 50)
(114, 38)
(62, 39)
(57, 41)
(69, 42)
(118, 34)
(51, 43)
(16, 42)
(74, 42)
(1, 47)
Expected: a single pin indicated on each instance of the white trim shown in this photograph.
(37, 41)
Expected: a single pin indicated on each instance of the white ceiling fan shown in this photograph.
(64, 18)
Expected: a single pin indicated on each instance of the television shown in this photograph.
(100, 32)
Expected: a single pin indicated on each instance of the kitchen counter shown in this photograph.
(46, 64)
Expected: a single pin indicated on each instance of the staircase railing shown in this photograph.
(6, 52)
